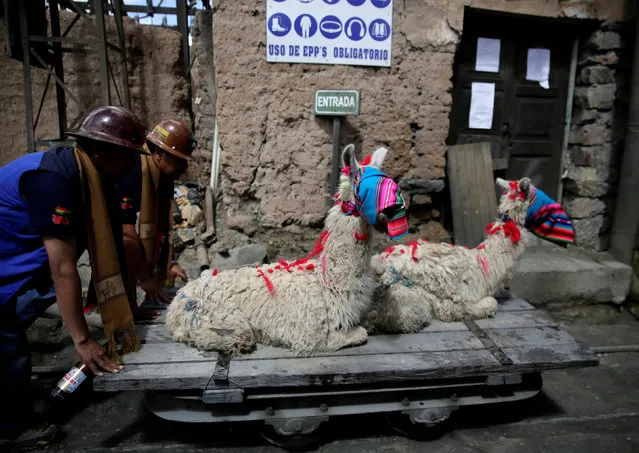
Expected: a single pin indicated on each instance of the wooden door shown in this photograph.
(528, 120)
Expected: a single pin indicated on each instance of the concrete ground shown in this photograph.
(583, 410)
(550, 276)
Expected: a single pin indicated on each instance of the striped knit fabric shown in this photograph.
(374, 192)
(547, 219)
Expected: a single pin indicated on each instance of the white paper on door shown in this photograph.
(538, 66)
(482, 103)
(487, 58)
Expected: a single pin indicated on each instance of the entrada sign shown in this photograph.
(336, 102)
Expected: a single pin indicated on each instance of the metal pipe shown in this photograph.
(134, 8)
(209, 214)
(149, 8)
(117, 8)
(568, 117)
(183, 28)
(26, 68)
(59, 70)
(43, 98)
(337, 122)
(60, 82)
(626, 217)
(76, 18)
(105, 84)
(215, 161)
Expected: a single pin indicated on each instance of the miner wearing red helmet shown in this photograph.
(54, 205)
(149, 191)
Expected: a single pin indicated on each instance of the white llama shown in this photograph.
(312, 304)
(423, 281)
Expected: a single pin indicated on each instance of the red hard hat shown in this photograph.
(116, 125)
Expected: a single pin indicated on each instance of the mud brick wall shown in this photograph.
(276, 155)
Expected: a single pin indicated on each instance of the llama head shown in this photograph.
(367, 192)
(515, 199)
(529, 206)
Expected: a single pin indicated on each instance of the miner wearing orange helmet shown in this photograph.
(149, 191)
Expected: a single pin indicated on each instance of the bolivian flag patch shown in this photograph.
(127, 203)
(61, 216)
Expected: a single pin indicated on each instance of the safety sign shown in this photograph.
(349, 32)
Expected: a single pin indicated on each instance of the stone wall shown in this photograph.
(157, 83)
(276, 156)
(598, 129)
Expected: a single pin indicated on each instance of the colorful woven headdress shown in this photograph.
(375, 192)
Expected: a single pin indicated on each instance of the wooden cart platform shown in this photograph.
(518, 340)
(416, 380)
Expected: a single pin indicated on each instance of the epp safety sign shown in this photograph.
(352, 32)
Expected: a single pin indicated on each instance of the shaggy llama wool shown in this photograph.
(313, 304)
(424, 281)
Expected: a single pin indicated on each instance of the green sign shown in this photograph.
(336, 102)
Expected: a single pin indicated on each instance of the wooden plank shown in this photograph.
(472, 190)
(384, 344)
(401, 367)
(540, 358)
(361, 369)
(516, 319)
(530, 336)
(514, 304)
(153, 333)
(180, 376)
(159, 320)
(168, 353)
(440, 326)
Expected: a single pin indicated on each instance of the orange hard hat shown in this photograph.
(174, 137)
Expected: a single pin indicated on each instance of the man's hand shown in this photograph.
(141, 314)
(154, 291)
(177, 271)
(95, 357)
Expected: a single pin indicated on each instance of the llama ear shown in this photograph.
(344, 158)
(348, 156)
(502, 183)
(524, 186)
(378, 158)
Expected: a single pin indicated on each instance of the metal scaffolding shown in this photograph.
(33, 35)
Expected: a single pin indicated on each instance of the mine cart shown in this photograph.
(418, 380)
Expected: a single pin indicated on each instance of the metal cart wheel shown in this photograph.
(294, 434)
(427, 424)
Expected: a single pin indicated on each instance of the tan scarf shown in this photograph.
(107, 283)
(156, 209)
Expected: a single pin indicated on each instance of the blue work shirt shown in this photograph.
(41, 195)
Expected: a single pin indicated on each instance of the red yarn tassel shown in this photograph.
(269, 283)
(413, 250)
